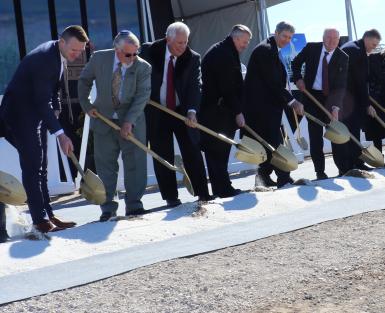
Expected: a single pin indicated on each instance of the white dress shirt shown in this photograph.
(317, 85)
(287, 76)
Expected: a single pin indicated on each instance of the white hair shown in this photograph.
(125, 37)
(177, 28)
(329, 29)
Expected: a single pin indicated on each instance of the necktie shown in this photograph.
(116, 83)
(325, 75)
(170, 96)
(67, 90)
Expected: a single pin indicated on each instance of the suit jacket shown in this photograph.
(187, 81)
(32, 94)
(357, 94)
(135, 90)
(337, 71)
(265, 94)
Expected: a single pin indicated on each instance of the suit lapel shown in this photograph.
(108, 64)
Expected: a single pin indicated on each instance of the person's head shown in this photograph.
(371, 39)
(177, 38)
(283, 34)
(72, 42)
(241, 36)
(126, 46)
(331, 38)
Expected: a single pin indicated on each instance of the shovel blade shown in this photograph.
(186, 179)
(11, 190)
(372, 156)
(92, 188)
(302, 143)
(250, 151)
(337, 132)
(284, 159)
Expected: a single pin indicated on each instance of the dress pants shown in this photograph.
(2, 220)
(162, 142)
(107, 147)
(316, 135)
(29, 137)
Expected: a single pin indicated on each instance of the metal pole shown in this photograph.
(114, 25)
(52, 19)
(19, 28)
(348, 19)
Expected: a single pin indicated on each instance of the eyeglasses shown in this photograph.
(129, 55)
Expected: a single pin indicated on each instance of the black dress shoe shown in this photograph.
(4, 236)
(362, 166)
(281, 183)
(264, 180)
(134, 212)
(206, 198)
(106, 216)
(173, 203)
(321, 176)
(230, 193)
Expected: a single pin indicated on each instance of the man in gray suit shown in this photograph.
(123, 84)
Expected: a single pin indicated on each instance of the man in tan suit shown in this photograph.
(123, 84)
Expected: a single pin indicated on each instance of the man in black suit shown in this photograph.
(266, 96)
(28, 111)
(221, 108)
(326, 69)
(3, 230)
(179, 90)
(356, 104)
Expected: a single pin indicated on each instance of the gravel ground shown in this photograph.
(337, 266)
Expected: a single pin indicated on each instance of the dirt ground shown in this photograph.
(337, 266)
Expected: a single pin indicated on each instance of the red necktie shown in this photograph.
(325, 75)
(170, 96)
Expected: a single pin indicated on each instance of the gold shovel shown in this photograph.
(180, 168)
(92, 188)
(335, 131)
(300, 140)
(249, 150)
(11, 190)
(281, 157)
(369, 154)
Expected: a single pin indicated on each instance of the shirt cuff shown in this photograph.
(335, 108)
(291, 102)
(192, 110)
(59, 132)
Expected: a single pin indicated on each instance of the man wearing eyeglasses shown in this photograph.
(123, 83)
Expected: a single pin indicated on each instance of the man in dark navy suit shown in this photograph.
(266, 96)
(326, 69)
(29, 108)
(356, 104)
(175, 83)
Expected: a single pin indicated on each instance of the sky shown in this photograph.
(312, 16)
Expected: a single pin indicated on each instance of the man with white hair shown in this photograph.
(176, 83)
(326, 70)
(123, 83)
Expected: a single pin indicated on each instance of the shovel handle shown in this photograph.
(259, 138)
(297, 125)
(318, 104)
(140, 145)
(356, 140)
(76, 163)
(376, 104)
(199, 126)
(314, 119)
(379, 120)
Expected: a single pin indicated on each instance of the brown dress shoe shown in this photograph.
(62, 224)
(46, 227)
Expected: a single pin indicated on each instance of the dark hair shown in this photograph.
(372, 33)
(75, 31)
(284, 26)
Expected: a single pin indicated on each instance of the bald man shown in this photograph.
(326, 68)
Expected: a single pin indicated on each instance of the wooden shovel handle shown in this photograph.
(314, 119)
(259, 138)
(297, 124)
(379, 120)
(76, 163)
(377, 104)
(140, 145)
(199, 126)
(318, 104)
